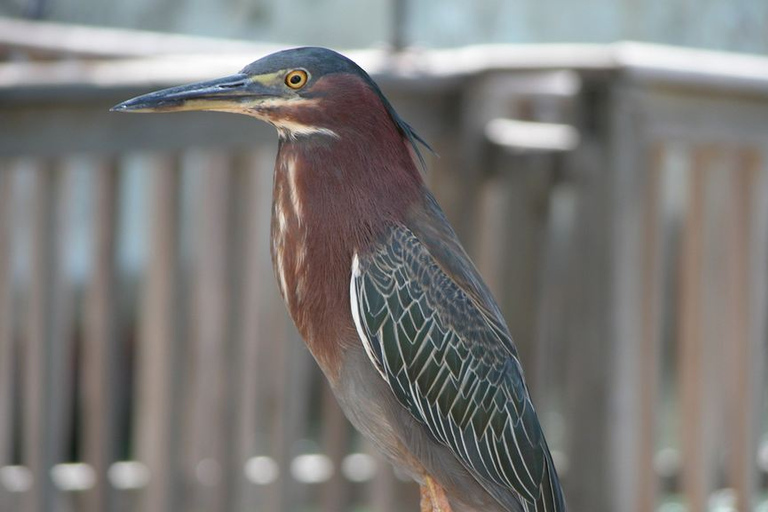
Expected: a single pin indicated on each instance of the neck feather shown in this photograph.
(333, 197)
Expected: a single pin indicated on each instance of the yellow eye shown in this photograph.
(296, 79)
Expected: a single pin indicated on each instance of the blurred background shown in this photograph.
(614, 195)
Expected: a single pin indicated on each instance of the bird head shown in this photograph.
(302, 92)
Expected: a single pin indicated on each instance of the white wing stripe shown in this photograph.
(355, 305)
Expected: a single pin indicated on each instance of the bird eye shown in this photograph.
(296, 79)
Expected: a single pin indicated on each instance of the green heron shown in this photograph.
(387, 300)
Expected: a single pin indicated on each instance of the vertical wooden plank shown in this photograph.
(210, 335)
(157, 425)
(237, 221)
(7, 325)
(691, 348)
(552, 333)
(291, 421)
(100, 340)
(272, 410)
(716, 342)
(335, 442)
(758, 305)
(42, 425)
(383, 488)
(253, 336)
(35, 453)
(63, 331)
(742, 407)
(648, 383)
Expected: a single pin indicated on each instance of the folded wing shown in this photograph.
(453, 366)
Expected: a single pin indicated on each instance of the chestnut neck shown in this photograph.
(333, 197)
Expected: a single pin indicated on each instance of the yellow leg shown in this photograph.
(433, 497)
(426, 501)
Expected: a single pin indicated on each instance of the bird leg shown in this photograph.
(433, 498)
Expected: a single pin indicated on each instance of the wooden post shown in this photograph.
(604, 294)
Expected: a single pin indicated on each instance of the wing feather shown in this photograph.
(452, 364)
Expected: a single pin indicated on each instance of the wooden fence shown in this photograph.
(615, 198)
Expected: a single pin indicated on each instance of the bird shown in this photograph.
(408, 335)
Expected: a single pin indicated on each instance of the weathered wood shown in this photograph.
(7, 324)
(234, 457)
(158, 419)
(55, 39)
(210, 434)
(741, 399)
(587, 320)
(382, 490)
(653, 66)
(290, 422)
(255, 320)
(335, 443)
(627, 192)
(649, 374)
(42, 426)
(100, 364)
(717, 339)
(690, 356)
(604, 295)
(23, 133)
(756, 364)
(683, 115)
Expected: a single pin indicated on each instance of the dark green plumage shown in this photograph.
(450, 361)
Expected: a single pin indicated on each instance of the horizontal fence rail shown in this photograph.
(615, 199)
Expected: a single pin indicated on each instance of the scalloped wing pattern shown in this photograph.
(448, 363)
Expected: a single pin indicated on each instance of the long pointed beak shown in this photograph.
(225, 94)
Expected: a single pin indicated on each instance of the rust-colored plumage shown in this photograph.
(324, 208)
(408, 335)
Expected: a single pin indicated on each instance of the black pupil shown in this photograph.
(295, 79)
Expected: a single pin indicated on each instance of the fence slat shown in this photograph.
(758, 320)
(45, 380)
(742, 399)
(715, 335)
(335, 444)
(209, 400)
(157, 408)
(7, 388)
(100, 365)
(694, 482)
(651, 303)
(254, 338)
(293, 395)
(382, 491)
